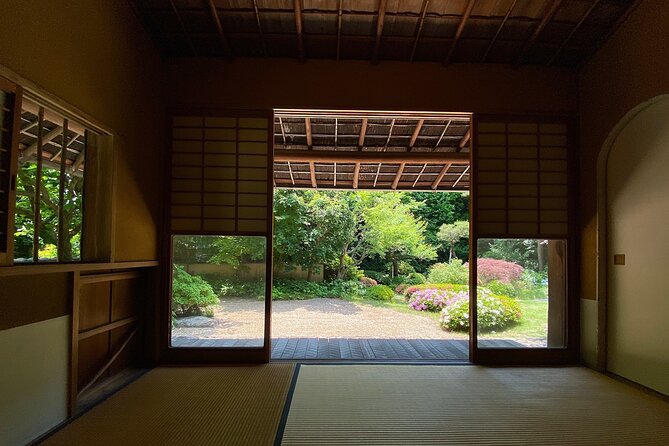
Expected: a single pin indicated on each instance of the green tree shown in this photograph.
(390, 230)
(452, 233)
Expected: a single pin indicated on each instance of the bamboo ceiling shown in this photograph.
(358, 150)
(537, 32)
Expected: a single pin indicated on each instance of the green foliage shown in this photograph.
(439, 209)
(382, 278)
(380, 292)
(191, 295)
(453, 233)
(415, 279)
(528, 253)
(502, 289)
(254, 289)
(409, 292)
(292, 289)
(494, 313)
(455, 272)
(49, 203)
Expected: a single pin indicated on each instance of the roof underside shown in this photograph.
(538, 32)
(358, 150)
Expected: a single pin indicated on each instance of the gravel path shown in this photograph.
(320, 318)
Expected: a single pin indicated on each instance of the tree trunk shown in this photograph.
(310, 271)
(394, 272)
(342, 266)
(451, 253)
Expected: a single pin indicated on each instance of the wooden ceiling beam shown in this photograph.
(221, 34)
(312, 172)
(379, 30)
(351, 157)
(297, 5)
(356, 175)
(440, 177)
(465, 140)
(416, 132)
(573, 31)
(32, 149)
(458, 32)
(553, 6)
(419, 28)
(339, 14)
(260, 31)
(499, 29)
(307, 125)
(400, 171)
(363, 133)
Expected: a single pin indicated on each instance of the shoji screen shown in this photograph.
(221, 174)
(521, 177)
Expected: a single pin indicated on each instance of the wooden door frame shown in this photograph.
(212, 355)
(530, 356)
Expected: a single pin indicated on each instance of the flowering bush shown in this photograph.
(494, 312)
(380, 292)
(368, 281)
(399, 289)
(434, 300)
(454, 272)
(500, 270)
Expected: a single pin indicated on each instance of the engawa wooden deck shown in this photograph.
(353, 349)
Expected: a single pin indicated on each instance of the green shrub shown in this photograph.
(380, 277)
(455, 272)
(245, 289)
(368, 281)
(380, 292)
(295, 289)
(191, 295)
(493, 312)
(502, 289)
(415, 279)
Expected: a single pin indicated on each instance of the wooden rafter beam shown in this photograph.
(225, 44)
(440, 177)
(350, 157)
(297, 6)
(420, 174)
(398, 175)
(260, 31)
(379, 30)
(356, 175)
(462, 175)
(363, 133)
(307, 124)
(553, 6)
(339, 14)
(458, 32)
(79, 161)
(443, 133)
(573, 31)
(183, 28)
(465, 140)
(312, 172)
(499, 29)
(32, 149)
(419, 28)
(416, 132)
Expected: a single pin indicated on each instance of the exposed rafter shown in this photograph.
(339, 14)
(297, 5)
(416, 132)
(225, 44)
(312, 173)
(260, 31)
(462, 175)
(356, 175)
(458, 32)
(553, 6)
(499, 29)
(363, 132)
(307, 125)
(419, 28)
(398, 175)
(440, 177)
(465, 140)
(183, 28)
(420, 174)
(443, 133)
(379, 30)
(33, 148)
(573, 31)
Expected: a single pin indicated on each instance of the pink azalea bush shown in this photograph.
(434, 299)
(500, 270)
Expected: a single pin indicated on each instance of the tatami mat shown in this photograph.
(188, 406)
(418, 405)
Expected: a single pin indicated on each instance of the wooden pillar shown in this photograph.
(557, 294)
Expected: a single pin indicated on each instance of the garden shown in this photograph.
(404, 251)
